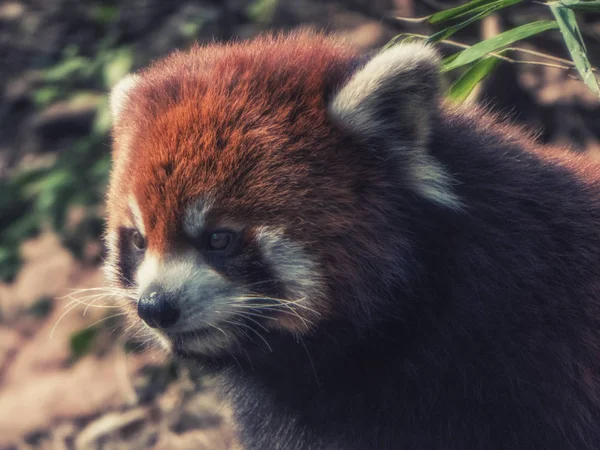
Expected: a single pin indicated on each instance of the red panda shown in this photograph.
(363, 265)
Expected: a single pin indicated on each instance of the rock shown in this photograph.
(9, 342)
(201, 411)
(61, 438)
(109, 425)
(152, 380)
(40, 386)
(211, 439)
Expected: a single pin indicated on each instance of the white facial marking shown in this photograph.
(138, 219)
(148, 271)
(432, 181)
(194, 218)
(111, 266)
(121, 93)
(292, 266)
(209, 301)
(202, 294)
(202, 291)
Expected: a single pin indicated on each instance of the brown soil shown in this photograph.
(109, 398)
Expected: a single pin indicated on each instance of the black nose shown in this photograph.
(157, 308)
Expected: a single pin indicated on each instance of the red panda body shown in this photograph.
(363, 266)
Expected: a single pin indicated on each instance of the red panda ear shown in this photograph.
(121, 93)
(394, 99)
(395, 93)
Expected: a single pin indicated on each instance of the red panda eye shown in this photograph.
(138, 240)
(220, 240)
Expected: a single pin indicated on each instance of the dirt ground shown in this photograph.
(55, 393)
(110, 398)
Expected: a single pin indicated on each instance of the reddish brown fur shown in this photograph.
(228, 119)
(212, 106)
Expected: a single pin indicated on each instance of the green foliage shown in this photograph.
(567, 22)
(105, 13)
(472, 7)
(496, 43)
(41, 308)
(262, 11)
(16, 223)
(10, 262)
(82, 342)
(33, 198)
(116, 65)
(46, 95)
(463, 86)
(578, 5)
(484, 11)
(481, 59)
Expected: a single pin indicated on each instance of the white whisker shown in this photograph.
(244, 315)
(60, 318)
(251, 329)
(105, 318)
(220, 329)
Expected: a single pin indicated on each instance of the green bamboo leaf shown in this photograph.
(453, 13)
(473, 7)
(574, 41)
(482, 12)
(449, 31)
(412, 19)
(404, 38)
(497, 43)
(470, 8)
(461, 88)
(578, 5)
(451, 58)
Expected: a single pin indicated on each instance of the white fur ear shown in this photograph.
(393, 100)
(396, 91)
(120, 94)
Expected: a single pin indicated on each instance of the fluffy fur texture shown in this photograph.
(408, 275)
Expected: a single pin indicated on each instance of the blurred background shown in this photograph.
(69, 379)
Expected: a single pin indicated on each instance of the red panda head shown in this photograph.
(256, 185)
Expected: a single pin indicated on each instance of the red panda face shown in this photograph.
(243, 197)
